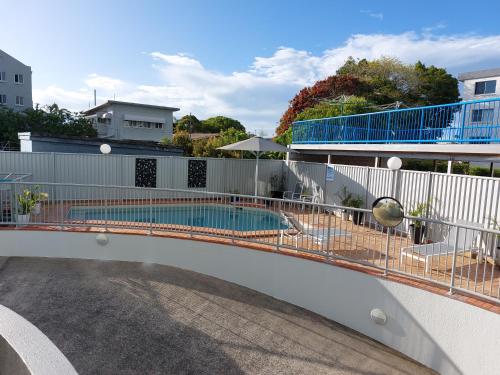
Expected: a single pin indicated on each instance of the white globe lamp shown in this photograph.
(394, 163)
(105, 148)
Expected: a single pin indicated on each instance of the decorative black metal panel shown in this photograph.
(145, 172)
(197, 173)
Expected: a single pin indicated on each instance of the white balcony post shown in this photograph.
(450, 167)
(454, 264)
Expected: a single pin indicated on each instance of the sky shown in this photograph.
(241, 59)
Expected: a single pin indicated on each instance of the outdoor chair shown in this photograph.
(296, 193)
(305, 232)
(424, 253)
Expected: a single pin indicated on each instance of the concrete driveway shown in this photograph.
(131, 318)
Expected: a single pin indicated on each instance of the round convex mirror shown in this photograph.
(388, 211)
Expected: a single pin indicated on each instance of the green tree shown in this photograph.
(180, 139)
(389, 80)
(220, 123)
(208, 147)
(329, 88)
(381, 82)
(48, 120)
(350, 106)
(413, 84)
(436, 85)
(188, 123)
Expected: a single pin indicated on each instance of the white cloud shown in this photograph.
(259, 95)
(377, 15)
(101, 82)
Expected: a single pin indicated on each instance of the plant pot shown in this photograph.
(23, 219)
(37, 208)
(277, 194)
(417, 233)
(357, 217)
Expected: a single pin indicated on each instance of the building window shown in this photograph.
(485, 87)
(3, 99)
(142, 124)
(482, 115)
(105, 121)
(20, 100)
(18, 78)
(2, 76)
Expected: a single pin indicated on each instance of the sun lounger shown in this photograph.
(424, 253)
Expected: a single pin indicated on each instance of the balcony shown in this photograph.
(474, 122)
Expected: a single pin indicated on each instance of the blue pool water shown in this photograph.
(209, 216)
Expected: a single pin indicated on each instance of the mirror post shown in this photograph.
(387, 246)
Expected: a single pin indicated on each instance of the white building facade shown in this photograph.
(132, 121)
(484, 118)
(15, 83)
(481, 84)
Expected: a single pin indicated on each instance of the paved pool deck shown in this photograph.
(134, 318)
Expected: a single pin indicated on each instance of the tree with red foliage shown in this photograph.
(330, 87)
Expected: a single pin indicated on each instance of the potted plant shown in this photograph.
(38, 197)
(25, 205)
(345, 197)
(417, 228)
(356, 202)
(277, 186)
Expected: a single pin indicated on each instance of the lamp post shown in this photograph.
(105, 150)
(394, 164)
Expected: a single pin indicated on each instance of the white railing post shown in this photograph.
(13, 205)
(330, 257)
(278, 234)
(233, 235)
(106, 211)
(61, 203)
(454, 262)
(192, 218)
(150, 212)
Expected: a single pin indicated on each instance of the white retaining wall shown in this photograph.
(447, 335)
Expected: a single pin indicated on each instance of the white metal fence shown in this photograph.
(451, 197)
(223, 175)
(463, 259)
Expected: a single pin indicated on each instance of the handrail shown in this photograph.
(461, 122)
(405, 109)
(315, 205)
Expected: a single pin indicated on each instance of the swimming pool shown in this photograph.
(208, 216)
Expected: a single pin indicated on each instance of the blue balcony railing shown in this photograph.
(465, 122)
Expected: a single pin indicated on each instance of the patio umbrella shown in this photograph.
(256, 145)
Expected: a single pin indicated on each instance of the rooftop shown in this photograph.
(486, 73)
(111, 102)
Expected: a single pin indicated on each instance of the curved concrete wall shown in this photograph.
(24, 349)
(440, 332)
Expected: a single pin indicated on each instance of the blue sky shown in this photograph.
(243, 59)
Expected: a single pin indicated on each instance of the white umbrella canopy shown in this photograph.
(257, 145)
